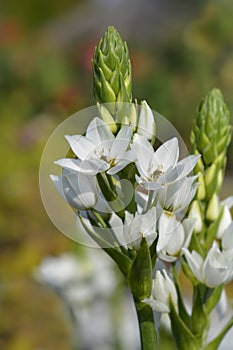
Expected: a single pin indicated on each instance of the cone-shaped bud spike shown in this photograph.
(211, 132)
(112, 69)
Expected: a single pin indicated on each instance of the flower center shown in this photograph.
(104, 155)
(157, 173)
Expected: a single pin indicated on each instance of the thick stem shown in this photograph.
(146, 326)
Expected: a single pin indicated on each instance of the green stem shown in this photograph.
(146, 326)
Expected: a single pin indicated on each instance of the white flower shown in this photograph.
(215, 269)
(59, 271)
(99, 150)
(177, 196)
(78, 190)
(163, 289)
(146, 122)
(134, 227)
(173, 236)
(160, 167)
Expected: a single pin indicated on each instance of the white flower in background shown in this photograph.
(163, 289)
(78, 190)
(59, 271)
(177, 196)
(173, 236)
(146, 122)
(134, 227)
(99, 150)
(160, 167)
(217, 268)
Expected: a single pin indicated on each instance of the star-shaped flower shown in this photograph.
(160, 167)
(99, 150)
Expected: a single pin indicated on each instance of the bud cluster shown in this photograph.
(112, 69)
(210, 138)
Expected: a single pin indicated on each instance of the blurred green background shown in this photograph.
(179, 51)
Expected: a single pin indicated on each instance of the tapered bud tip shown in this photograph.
(112, 69)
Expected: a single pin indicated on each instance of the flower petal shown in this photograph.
(215, 267)
(167, 154)
(89, 167)
(188, 163)
(80, 145)
(144, 153)
(121, 141)
(195, 263)
(157, 305)
(57, 180)
(98, 131)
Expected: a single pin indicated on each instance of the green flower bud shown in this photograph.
(107, 118)
(112, 69)
(201, 191)
(195, 213)
(211, 178)
(140, 274)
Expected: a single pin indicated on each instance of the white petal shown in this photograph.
(176, 240)
(81, 145)
(89, 167)
(180, 199)
(157, 305)
(189, 163)
(98, 131)
(188, 225)
(121, 141)
(120, 165)
(57, 180)
(117, 226)
(195, 263)
(215, 268)
(146, 122)
(170, 175)
(141, 200)
(122, 162)
(144, 153)
(164, 257)
(225, 221)
(167, 154)
(167, 224)
(79, 190)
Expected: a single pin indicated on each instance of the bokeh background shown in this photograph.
(179, 49)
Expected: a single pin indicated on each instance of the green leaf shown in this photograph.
(184, 338)
(213, 298)
(140, 274)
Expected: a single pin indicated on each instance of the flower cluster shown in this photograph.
(162, 187)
